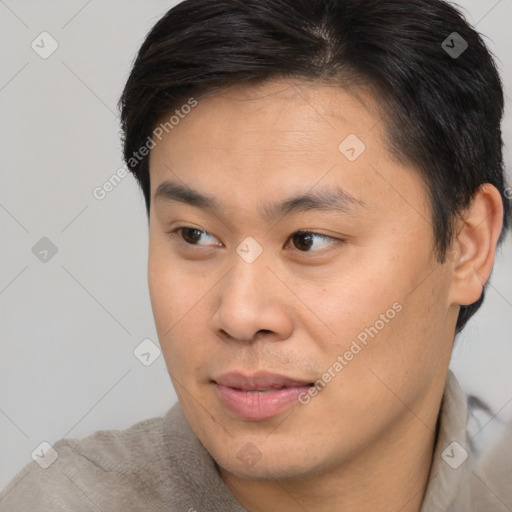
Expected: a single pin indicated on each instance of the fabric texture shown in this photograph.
(160, 465)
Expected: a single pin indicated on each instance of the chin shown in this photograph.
(246, 460)
(267, 469)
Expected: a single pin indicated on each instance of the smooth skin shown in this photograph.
(365, 442)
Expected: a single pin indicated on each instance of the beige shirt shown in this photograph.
(160, 465)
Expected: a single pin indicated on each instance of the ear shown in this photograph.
(474, 246)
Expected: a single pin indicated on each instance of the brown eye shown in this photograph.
(304, 240)
(191, 235)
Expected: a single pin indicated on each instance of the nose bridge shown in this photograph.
(248, 303)
(246, 284)
(249, 269)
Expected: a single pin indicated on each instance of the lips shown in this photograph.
(259, 381)
(259, 396)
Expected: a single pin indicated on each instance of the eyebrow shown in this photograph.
(332, 198)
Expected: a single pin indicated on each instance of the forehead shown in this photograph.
(280, 136)
(279, 116)
(281, 107)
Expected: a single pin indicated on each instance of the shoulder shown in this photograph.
(106, 468)
(490, 442)
(158, 464)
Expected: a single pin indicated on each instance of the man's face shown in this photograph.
(242, 302)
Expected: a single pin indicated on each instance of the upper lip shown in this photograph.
(260, 380)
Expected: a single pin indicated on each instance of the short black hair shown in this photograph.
(430, 71)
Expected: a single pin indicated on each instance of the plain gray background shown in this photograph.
(70, 324)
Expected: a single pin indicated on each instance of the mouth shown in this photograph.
(259, 396)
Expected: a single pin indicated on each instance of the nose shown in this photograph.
(252, 302)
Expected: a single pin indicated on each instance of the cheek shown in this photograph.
(169, 294)
(382, 310)
(172, 287)
(353, 299)
(178, 296)
(401, 347)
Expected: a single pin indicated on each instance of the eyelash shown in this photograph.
(335, 241)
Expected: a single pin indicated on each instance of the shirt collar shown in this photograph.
(450, 464)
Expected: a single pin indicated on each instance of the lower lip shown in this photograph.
(256, 406)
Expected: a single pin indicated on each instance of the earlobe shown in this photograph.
(474, 246)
